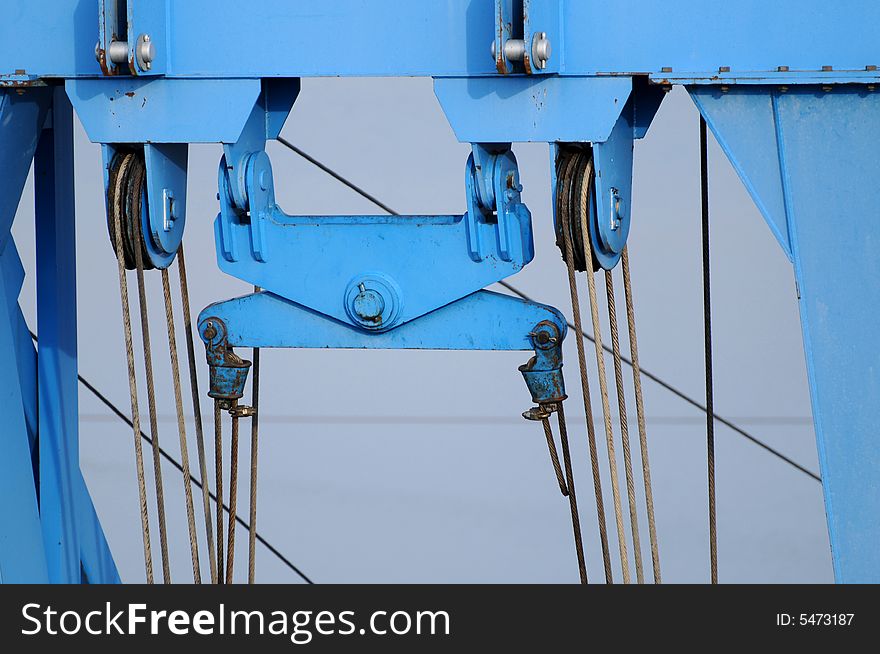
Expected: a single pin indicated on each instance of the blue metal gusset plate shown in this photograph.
(131, 110)
(539, 109)
(166, 197)
(613, 161)
(481, 321)
(314, 260)
(21, 123)
(744, 121)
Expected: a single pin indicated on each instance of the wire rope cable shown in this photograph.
(181, 428)
(568, 166)
(707, 335)
(255, 404)
(138, 174)
(624, 428)
(197, 409)
(115, 201)
(583, 192)
(640, 413)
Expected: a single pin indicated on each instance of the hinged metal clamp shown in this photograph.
(228, 371)
(543, 372)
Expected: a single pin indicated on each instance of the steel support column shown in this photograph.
(808, 155)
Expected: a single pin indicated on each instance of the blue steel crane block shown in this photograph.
(411, 264)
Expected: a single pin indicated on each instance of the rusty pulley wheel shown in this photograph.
(127, 195)
(574, 170)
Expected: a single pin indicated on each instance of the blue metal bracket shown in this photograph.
(543, 372)
(135, 29)
(228, 371)
(537, 109)
(610, 213)
(374, 271)
(481, 321)
(525, 31)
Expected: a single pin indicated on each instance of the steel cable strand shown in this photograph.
(255, 404)
(138, 174)
(554, 457)
(707, 335)
(640, 413)
(181, 428)
(116, 204)
(218, 470)
(585, 199)
(624, 428)
(197, 409)
(572, 496)
(233, 493)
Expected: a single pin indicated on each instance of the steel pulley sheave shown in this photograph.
(576, 207)
(127, 199)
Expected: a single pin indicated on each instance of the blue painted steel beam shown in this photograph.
(481, 321)
(22, 557)
(44, 505)
(677, 39)
(56, 325)
(809, 158)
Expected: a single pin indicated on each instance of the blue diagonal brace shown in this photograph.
(21, 540)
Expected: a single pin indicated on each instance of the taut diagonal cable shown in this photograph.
(513, 289)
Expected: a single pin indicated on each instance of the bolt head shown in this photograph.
(541, 50)
(369, 305)
(146, 51)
